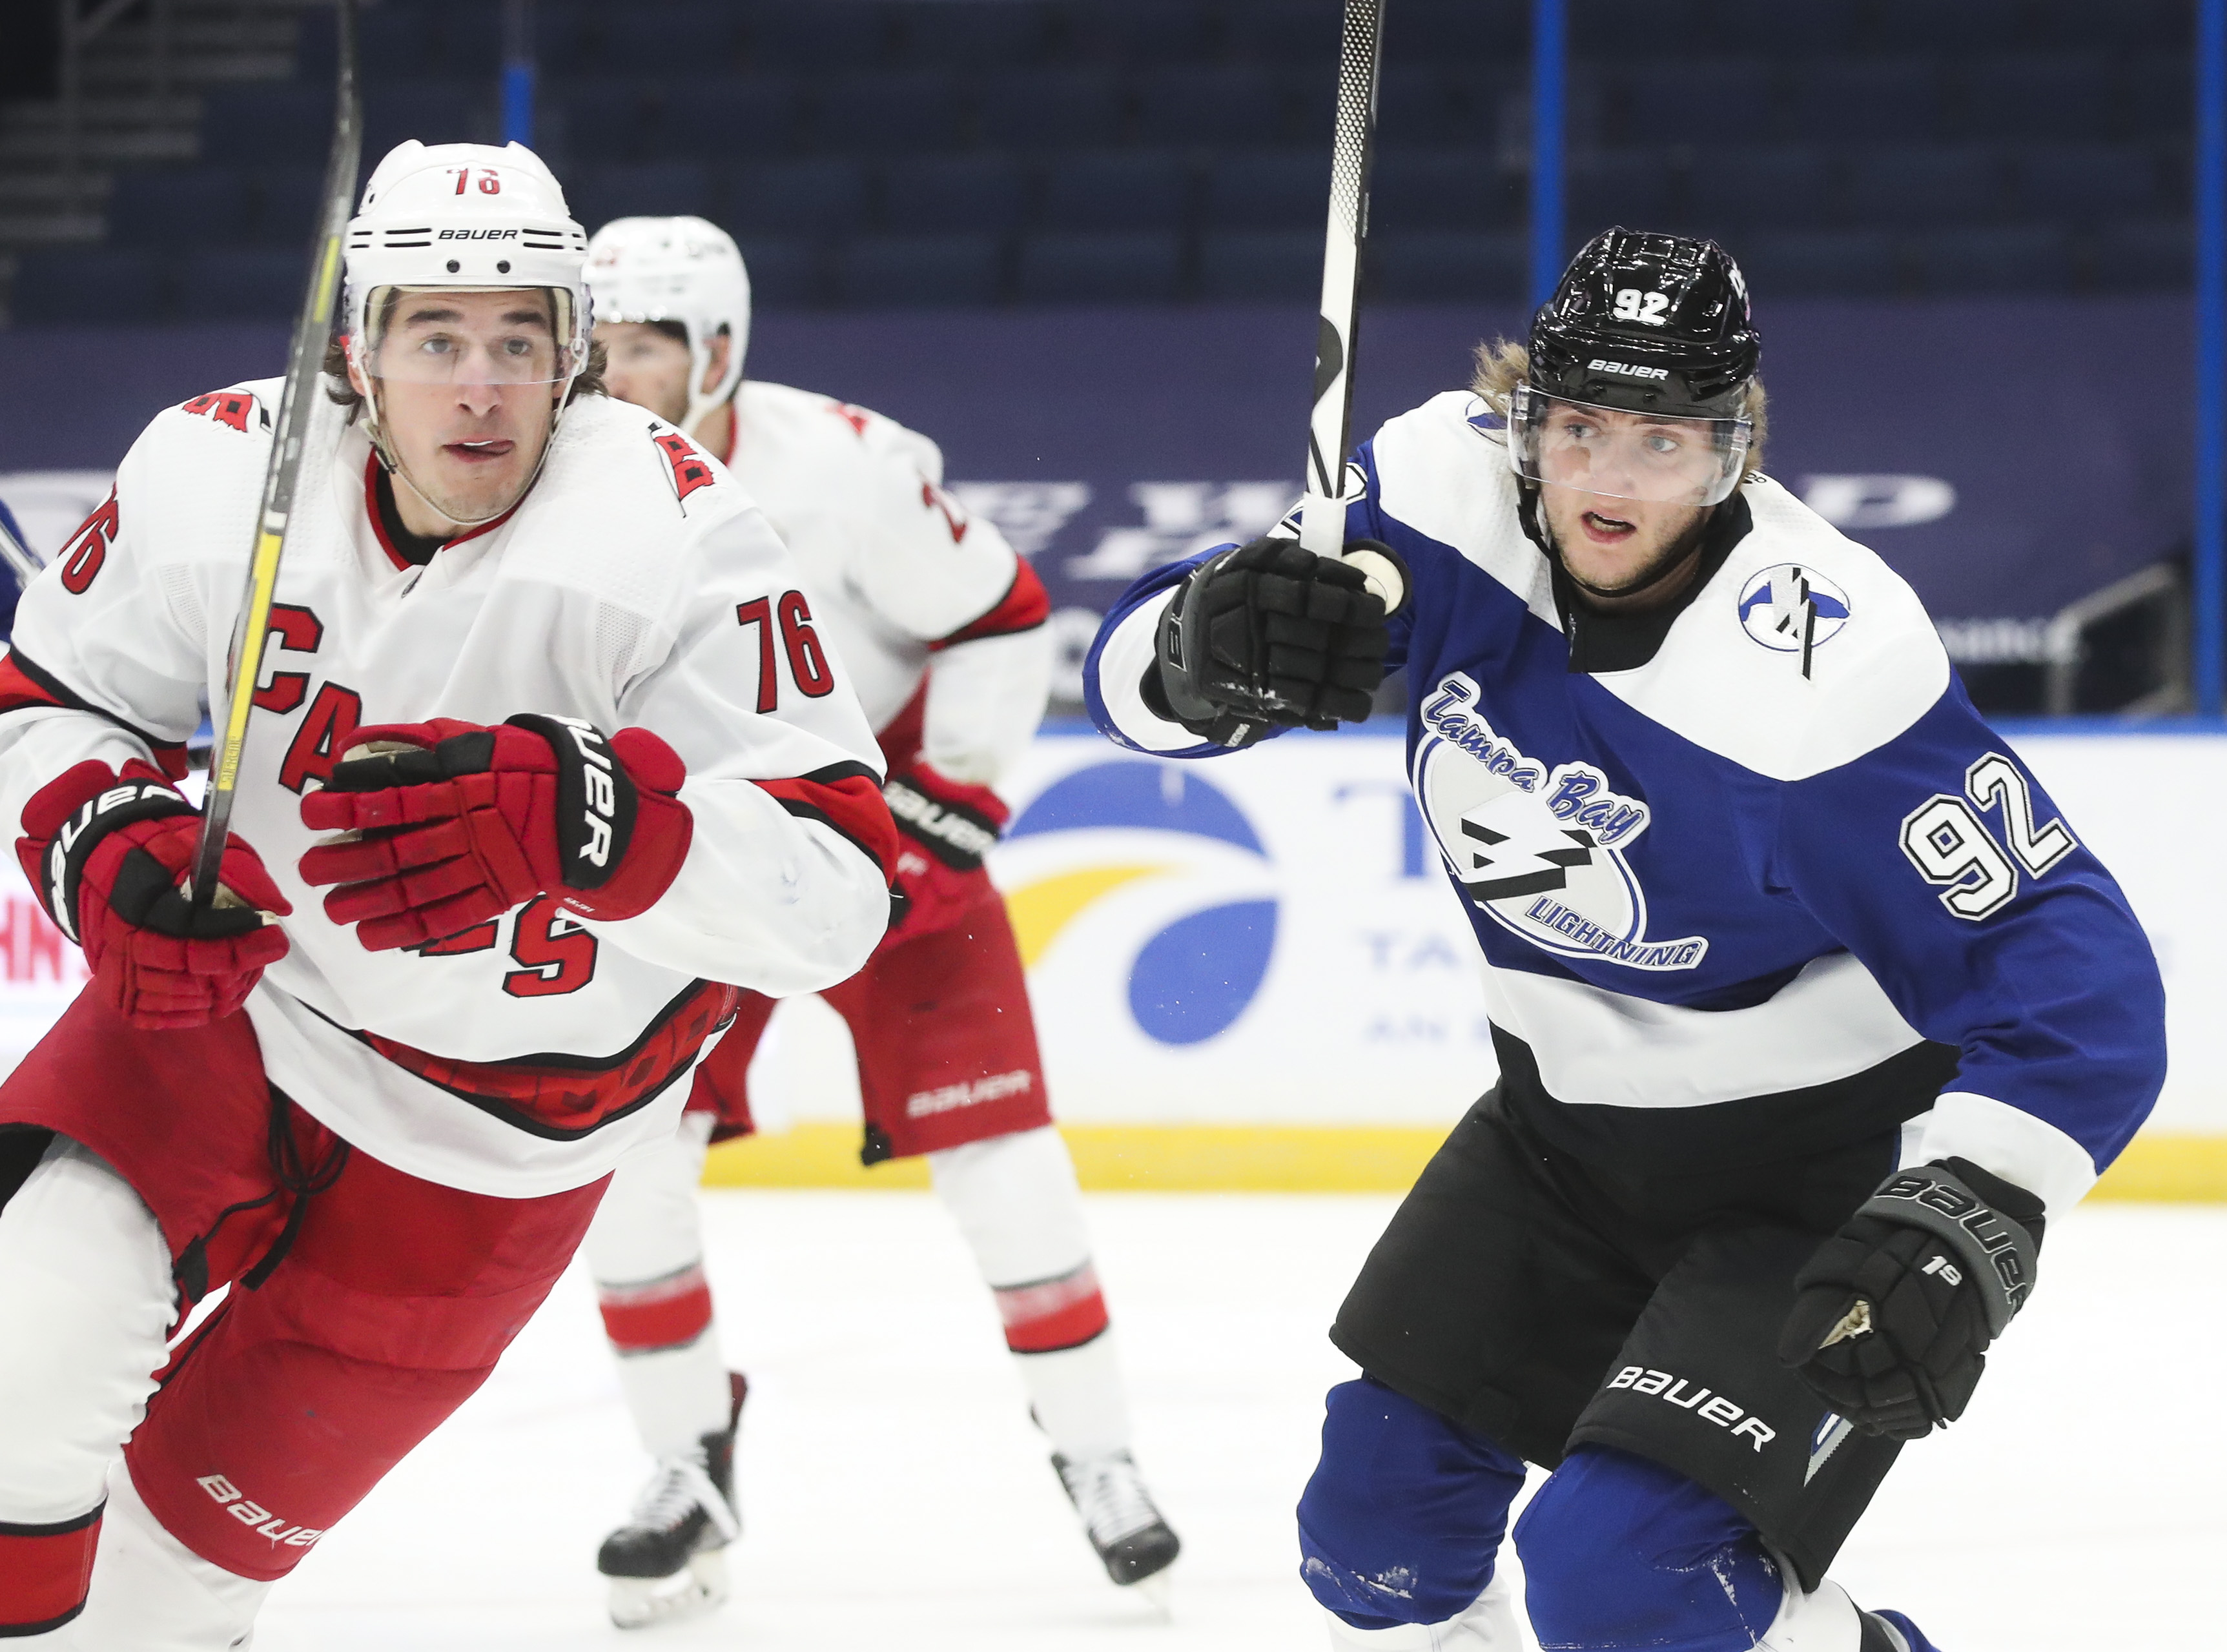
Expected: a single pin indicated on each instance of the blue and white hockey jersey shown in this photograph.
(1750, 876)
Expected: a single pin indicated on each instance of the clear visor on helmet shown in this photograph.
(440, 337)
(1624, 455)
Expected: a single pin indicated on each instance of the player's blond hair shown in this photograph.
(1502, 364)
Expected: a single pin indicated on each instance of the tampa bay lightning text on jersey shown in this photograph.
(1747, 869)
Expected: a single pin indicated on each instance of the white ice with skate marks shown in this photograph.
(895, 1496)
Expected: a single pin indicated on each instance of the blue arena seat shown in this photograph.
(1638, 188)
(1875, 100)
(1736, 188)
(251, 285)
(1253, 189)
(696, 37)
(1430, 103)
(1281, 266)
(1802, 264)
(1040, 109)
(604, 119)
(1142, 31)
(1128, 268)
(1637, 30)
(1448, 267)
(1965, 26)
(1800, 29)
(1472, 32)
(1680, 100)
(784, 271)
(1287, 31)
(806, 197)
(2161, 96)
(104, 285)
(2147, 255)
(2121, 26)
(2016, 258)
(658, 189)
(2086, 181)
(2062, 97)
(287, 202)
(1916, 187)
(888, 112)
(981, 34)
(730, 118)
(1134, 190)
(1221, 103)
(391, 43)
(1421, 189)
(245, 125)
(432, 111)
(906, 269)
(950, 195)
(202, 206)
(786, 36)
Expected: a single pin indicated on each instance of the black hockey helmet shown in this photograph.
(1650, 323)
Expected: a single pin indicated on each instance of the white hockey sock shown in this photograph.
(1016, 1201)
(645, 1250)
(86, 1298)
(1488, 1624)
(151, 1593)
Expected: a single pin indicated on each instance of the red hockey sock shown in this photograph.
(44, 1573)
(660, 1313)
(1048, 1315)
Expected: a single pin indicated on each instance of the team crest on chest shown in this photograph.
(1540, 851)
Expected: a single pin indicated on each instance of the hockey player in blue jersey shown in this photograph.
(1809, 1005)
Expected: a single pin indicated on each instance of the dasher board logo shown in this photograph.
(1540, 851)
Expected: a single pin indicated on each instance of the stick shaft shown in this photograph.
(22, 560)
(305, 361)
(1361, 49)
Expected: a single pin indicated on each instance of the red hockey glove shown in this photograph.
(944, 829)
(106, 853)
(458, 824)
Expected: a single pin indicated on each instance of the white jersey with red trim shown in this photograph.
(909, 586)
(635, 584)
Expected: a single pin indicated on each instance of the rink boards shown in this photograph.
(1251, 973)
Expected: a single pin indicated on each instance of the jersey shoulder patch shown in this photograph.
(1803, 653)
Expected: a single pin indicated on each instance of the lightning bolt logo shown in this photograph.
(1534, 864)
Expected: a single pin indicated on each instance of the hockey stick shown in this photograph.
(1322, 508)
(21, 561)
(313, 328)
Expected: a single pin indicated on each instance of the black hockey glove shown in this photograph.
(1268, 636)
(1895, 1312)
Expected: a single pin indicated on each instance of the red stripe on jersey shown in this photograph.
(848, 798)
(24, 686)
(1053, 1314)
(1025, 605)
(44, 1573)
(664, 1313)
(562, 1098)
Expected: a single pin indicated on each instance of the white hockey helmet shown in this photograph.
(456, 216)
(687, 270)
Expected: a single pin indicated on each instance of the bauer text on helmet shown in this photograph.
(466, 317)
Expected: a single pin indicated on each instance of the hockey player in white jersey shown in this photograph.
(1809, 1006)
(523, 807)
(941, 625)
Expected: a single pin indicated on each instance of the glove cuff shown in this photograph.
(1990, 1236)
(69, 817)
(621, 831)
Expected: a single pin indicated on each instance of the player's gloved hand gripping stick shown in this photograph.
(1895, 1312)
(449, 823)
(947, 826)
(1289, 633)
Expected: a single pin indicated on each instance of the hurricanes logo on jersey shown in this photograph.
(1539, 851)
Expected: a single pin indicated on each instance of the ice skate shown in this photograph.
(669, 1559)
(1124, 1526)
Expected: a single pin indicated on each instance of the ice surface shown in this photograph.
(895, 1497)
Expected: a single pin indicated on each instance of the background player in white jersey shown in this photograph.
(942, 627)
(1810, 1007)
(576, 808)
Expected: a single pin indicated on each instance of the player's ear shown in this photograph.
(357, 377)
(716, 367)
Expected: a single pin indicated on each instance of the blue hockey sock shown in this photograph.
(1404, 1511)
(1619, 1552)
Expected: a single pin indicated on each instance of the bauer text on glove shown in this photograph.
(107, 854)
(453, 824)
(1893, 1315)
